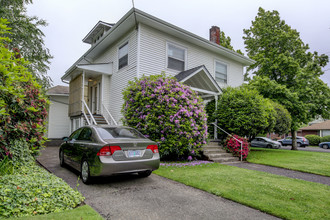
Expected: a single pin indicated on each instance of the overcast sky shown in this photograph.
(71, 20)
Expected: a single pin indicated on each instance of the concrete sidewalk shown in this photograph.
(283, 172)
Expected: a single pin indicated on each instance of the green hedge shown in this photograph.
(314, 140)
(325, 139)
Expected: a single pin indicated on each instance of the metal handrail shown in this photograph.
(232, 137)
(109, 114)
(89, 112)
(86, 118)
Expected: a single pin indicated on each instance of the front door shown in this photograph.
(95, 99)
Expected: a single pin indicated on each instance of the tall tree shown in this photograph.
(225, 41)
(27, 38)
(282, 56)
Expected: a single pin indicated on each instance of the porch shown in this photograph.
(87, 88)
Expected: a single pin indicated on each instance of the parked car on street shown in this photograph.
(97, 150)
(265, 142)
(324, 145)
(301, 141)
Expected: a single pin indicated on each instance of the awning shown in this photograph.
(200, 80)
(102, 68)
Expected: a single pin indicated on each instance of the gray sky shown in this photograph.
(71, 20)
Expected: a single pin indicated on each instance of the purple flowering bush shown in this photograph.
(168, 113)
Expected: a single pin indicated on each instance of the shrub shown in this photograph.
(34, 191)
(245, 112)
(233, 146)
(168, 113)
(22, 106)
(314, 140)
(325, 139)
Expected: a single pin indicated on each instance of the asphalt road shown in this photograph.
(315, 149)
(154, 197)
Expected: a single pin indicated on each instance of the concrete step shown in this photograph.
(217, 156)
(226, 160)
(213, 150)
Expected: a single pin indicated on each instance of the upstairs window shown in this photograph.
(176, 57)
(220, 72)
(123, 56)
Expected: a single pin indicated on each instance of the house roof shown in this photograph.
(200, 80)
(318, 126)
(59, 90)
(132, 18)
(101, 25)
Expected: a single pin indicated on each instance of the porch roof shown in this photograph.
(91, 70)
(201, 81)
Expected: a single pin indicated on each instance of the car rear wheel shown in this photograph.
(269, 146)
(325, 146)
(145, 173)
(85, 173)
(62, 163)
(298, 144)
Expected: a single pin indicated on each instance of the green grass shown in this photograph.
(277, 195)
(305, 161)
(83, 212)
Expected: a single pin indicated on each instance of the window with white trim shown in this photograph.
(123, 56)
(220, 72)
(176, 57)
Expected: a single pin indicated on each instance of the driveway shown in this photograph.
(154, 197)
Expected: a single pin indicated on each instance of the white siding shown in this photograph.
(58, 119)
(153, 56)
(114, 84)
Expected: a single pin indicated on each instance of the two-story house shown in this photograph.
(140, 44)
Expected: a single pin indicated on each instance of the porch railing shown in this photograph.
(109, 114)
(216, 126)
(90, 113)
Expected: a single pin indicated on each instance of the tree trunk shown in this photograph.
(294, 139)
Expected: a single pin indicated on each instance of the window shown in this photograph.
(176, 57)
(86, 135)
(123, 56)
(220, 72)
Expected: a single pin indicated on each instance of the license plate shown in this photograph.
(134, 153)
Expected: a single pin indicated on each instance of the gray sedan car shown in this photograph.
(265, 142)
(97, 150)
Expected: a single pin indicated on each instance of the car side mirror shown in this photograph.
(65, 139)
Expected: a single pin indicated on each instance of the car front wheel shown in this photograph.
(62, 163)
(324, 146)
(298, 144)
(85, 173)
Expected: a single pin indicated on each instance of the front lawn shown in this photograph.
(83, 212)
(305, 161)
(277, 195)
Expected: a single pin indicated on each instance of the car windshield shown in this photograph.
(116, 133)
(267, 139)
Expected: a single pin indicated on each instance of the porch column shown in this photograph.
(83, 91)
(216, 120)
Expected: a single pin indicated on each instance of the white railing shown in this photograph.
(109, 114)
(89, 112)
(216, 126)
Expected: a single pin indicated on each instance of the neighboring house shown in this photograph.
(140, 44)
(322, 129)
(58, 120)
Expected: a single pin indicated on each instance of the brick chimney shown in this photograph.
(215, 34)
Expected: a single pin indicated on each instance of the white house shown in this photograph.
(58, 120)
(141, 44)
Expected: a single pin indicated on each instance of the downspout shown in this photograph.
(82, 96)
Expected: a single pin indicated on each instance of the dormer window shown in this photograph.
(123, 56)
